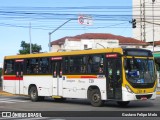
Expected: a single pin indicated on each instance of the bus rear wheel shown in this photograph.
(123, 103)
(34, 94)
(95, 98)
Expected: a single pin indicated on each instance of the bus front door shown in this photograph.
(57, 78)
(19, 66)
(114, 78)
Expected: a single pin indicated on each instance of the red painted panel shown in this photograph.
(88, 76)
(12, 78)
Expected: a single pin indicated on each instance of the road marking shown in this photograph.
(11, 100)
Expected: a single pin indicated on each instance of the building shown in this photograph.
(146, 12)
(1, 65)
(95, 41)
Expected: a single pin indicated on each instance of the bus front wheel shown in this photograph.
(34, 94)
(95, 98)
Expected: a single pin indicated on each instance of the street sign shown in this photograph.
(85, 20)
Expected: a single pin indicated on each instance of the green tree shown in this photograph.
(25, 48)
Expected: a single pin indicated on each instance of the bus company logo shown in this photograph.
(20, 114)
(6, 114)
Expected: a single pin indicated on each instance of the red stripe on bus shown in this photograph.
(12, 78)
(88, 76)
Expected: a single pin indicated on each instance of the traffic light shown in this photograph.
(133, 23)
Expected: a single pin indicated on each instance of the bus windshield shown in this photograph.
(140, 70)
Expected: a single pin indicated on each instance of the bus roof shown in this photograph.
(78, 52)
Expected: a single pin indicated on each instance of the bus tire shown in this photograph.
(123, 103)
(34, 94)
(95, 98)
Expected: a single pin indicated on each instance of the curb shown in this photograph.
(2, 93)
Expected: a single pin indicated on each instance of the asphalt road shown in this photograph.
(78, 108)
(22, 103)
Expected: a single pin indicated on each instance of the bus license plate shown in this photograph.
(143, 98)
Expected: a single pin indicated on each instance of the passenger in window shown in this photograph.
(83, 69)
(36, 69)
(101, 69)
(89, 66)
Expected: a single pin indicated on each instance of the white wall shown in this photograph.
(55, 48)
(90, 43)
(72, 45)
(101, 43)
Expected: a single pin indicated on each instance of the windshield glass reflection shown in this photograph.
(139, 70)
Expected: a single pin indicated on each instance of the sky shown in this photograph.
(32, 20)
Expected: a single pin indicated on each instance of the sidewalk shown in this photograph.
(2, 93)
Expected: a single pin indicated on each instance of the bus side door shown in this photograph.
(19, 68)
(114, 77)
(57, 75)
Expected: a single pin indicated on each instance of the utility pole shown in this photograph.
(50, 33)
(141, 30)
(153, 21)
(144, 19)
(30, 38)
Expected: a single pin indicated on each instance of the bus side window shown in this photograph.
(77, 64)
(32, 66)
(83, 64)
(44, 65)
(101, 65)
(9, 67)
(66, 65)
(95, 64)
(89, 64)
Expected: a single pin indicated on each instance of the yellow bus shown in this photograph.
(117, 74)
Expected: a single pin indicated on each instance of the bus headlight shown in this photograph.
(129, 89)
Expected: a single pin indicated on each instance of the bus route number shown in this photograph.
(139, 91)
